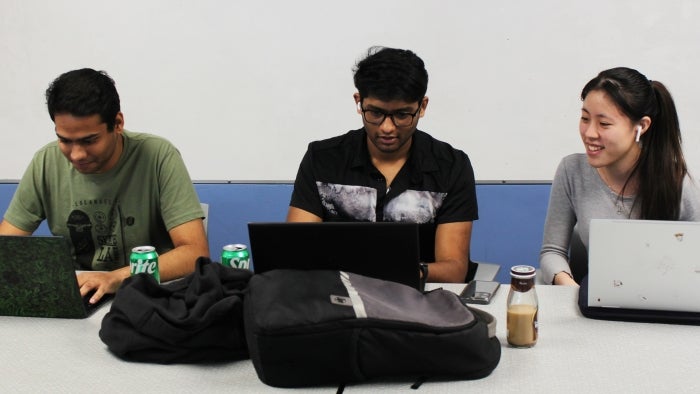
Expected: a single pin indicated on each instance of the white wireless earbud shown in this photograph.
(639, 133)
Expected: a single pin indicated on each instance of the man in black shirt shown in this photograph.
(391, 171)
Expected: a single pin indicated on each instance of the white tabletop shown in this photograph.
(573, 354)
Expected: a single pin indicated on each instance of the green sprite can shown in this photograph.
(236, 256)
(144, 259)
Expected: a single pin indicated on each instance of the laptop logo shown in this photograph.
(340, 300)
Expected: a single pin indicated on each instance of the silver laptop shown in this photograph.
(644, 264)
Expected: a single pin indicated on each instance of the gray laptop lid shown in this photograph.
(644, 264)
(38, 278)
(383, 250)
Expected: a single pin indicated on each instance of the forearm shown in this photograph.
(120, 274)
(447, 271)
(451, 253)
(180, 261)
(552, 263)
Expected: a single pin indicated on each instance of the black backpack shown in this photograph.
(307, 328)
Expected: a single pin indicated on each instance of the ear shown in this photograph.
(119, 123)
(423, 106)
(358, 99)
(644, 123)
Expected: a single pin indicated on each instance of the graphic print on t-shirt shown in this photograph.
(360, 202)
(348, 201)
(414, 206)
(93, 234)
(80, 228)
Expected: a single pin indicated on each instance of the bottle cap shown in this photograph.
(522, 272)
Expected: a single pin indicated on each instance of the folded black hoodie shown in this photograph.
(198, 319)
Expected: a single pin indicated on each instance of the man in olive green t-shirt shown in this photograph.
(106, 189)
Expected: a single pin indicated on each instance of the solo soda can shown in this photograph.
(144, 259)
(236, 256)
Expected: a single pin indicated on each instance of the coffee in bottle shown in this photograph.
(521, 319)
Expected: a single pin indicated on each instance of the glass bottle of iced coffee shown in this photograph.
(521, 320)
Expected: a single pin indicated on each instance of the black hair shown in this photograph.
(391, 74)
(84, 92)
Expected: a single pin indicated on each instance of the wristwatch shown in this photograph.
(424, 270)
(424, 275)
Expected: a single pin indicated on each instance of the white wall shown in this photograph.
(241, 87)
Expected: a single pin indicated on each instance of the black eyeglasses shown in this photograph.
(400, 119)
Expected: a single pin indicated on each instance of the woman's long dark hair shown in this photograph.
(661, 167)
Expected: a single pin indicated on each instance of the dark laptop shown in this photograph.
(383, 250)
(38, 279)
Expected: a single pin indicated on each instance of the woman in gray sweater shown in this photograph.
(633, 166)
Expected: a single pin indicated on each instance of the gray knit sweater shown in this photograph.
(579, 195)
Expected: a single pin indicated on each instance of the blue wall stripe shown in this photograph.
(508, 232)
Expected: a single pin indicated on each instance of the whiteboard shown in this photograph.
(241, 87)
